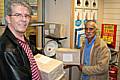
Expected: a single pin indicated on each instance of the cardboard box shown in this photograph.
(68, 56)
(55, 30)
(51, 69)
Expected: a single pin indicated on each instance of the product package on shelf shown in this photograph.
(55, 30)
(68, 56)
(51, 69)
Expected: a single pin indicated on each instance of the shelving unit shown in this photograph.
(32, 30)
(37, 23)
(34, 6)
(1, 10)
(1, 16)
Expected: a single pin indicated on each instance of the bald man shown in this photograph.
(94, 55)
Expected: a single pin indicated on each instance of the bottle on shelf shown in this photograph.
(94, 4)
(78, 2)
(86, 3)
(94, 17)
(86, 18)
(78, 22)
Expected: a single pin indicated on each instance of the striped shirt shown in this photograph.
(34, 68)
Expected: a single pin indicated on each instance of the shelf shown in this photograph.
(37, 24)
(86, 8)
(35, 5)
(32, 2)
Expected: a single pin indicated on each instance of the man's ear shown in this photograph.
(8, 19)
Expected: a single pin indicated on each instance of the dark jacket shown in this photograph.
(14, 63)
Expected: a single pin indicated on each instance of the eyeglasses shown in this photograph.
(18, 15)
(90, 29)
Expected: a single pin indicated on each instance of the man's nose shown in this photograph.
(87, 30)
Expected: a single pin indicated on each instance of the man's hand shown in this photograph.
(80, 67)
(67, 66)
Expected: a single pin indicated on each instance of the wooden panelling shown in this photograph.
(112, 5)
(1, 9)
(111, 21)
(72, 24)
(112, 1)
(112, 16)
(112, 11)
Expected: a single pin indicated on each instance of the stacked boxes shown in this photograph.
(55, 30)
(51, 69)
(68, 56)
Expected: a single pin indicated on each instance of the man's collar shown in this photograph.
(86, 41)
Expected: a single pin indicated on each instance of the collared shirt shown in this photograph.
(87, 51)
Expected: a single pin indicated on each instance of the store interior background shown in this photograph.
(62, 12)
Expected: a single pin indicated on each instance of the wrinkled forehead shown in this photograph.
(14, 5)
(91, 24)
(20, 9)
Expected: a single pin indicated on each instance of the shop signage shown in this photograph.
(108, 33)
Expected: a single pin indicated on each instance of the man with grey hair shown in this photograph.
(16, 53)
(94, 55)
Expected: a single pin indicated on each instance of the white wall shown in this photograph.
(59, 13)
